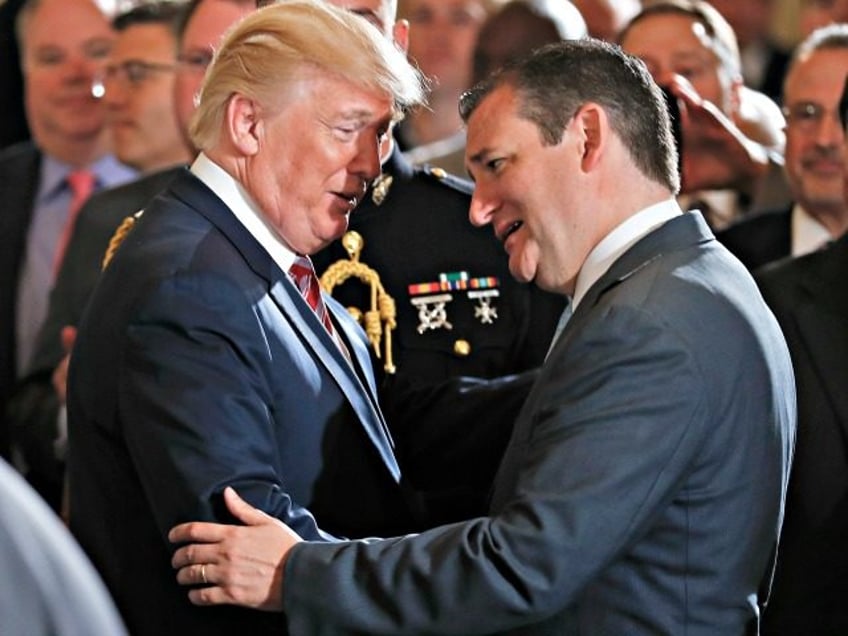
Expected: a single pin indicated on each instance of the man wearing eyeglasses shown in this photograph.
(814, 162)
(138, 88)
(63, 44)
(36, 409)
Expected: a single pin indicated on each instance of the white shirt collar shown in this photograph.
(808, 234)
(244, 208)
(619, 241)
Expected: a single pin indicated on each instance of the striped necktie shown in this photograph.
(303, 275)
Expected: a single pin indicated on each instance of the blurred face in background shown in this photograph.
(819, 13)
(442, 38)
(814, 134)
(676, 44)
(606, 18)
(380, 13)
(138, 90)
(750, 19)
(207, 24)
(65, 44)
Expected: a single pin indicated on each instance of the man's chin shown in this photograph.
(521, 274)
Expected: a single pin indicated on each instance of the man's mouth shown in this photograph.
(351, 198)
(510, 230)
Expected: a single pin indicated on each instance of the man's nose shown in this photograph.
(482, 207)
(367, 163)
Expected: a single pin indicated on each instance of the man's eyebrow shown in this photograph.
(355, 113)
(369, 15)
(478, 156)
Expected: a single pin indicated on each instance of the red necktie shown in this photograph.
(303, 275)
(81, 183)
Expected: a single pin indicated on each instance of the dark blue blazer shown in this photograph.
(641, 492)
(198, 365)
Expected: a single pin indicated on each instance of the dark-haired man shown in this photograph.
(642, 489)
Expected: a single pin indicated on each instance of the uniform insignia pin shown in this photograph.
(484, 310)
(432, 313)
(380, 188)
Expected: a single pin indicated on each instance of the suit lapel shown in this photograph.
(298, 313)
(316, 338)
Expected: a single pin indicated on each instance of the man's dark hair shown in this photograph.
(166, 12)
(553, 82)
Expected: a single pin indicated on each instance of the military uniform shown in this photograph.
(459, 313)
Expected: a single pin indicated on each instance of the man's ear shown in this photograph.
(592, 125)
(400, 34)
(243, 124)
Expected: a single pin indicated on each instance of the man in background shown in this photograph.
(808, 299)
(137, 88)
(64, 45)
(731, 136)
(814, 159)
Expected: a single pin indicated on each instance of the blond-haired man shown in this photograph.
(211, 366)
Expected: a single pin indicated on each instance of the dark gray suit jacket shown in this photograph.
(19, 169)
(199, 365)
(808, 297)
(642, 489)
(761, 238)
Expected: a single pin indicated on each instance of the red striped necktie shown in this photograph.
(303, 275)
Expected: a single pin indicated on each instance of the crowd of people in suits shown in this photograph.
(581, 391)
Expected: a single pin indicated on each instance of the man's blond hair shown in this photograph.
(272, 49)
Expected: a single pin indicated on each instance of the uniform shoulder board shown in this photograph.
(443, 177)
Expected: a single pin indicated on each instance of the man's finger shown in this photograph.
(243, 511)
(209, 596)
(198, 532)
(195, 553)
(196, 574)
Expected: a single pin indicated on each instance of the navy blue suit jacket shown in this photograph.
(198, 365)
(641, 492)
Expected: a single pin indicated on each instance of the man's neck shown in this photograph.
(77, 152)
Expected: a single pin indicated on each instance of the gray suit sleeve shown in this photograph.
(605, 442)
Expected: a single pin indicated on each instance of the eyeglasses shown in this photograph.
(132, 72)
(807, 116)
(197, 61)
